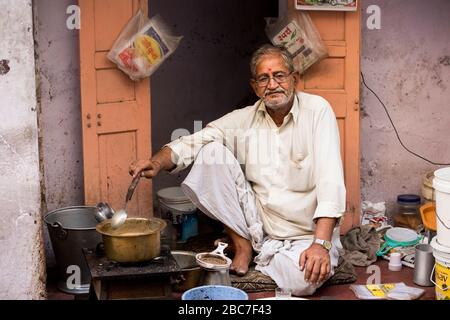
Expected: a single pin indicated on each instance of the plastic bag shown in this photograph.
(297, 33)
(374, 213)
(390, 291)
(142, 46)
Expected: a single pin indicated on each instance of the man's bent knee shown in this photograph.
(215, 153)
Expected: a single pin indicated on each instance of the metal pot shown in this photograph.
(137, 240)
(190, 271)
(215, 265)
(72, 229)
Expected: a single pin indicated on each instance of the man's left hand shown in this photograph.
(315, 262)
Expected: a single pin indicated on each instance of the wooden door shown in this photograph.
(115, 110)
(336, 78)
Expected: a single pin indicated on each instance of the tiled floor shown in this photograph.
(336, 292)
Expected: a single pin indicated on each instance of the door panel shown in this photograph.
(331, 24)
(114, 86)
(315, 77)
(115, 110)
(336, 78)
(116, 152)
(110, 16)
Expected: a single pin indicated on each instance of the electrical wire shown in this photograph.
(395, 129)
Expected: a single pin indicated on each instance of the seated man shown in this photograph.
(271, 173)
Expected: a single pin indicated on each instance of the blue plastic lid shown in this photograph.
(409, 198)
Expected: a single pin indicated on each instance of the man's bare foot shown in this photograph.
(243, 253)
(242, 258)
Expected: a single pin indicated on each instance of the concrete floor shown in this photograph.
(336, 292)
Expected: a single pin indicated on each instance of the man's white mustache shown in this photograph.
(273, 92)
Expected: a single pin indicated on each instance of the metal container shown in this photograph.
(423, 265)
(215, 266)
(215, 277)
(71, 229)
(190, 271)
(137, 240)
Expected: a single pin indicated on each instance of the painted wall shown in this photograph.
(22, 265)
(57, 59)
(407, 63)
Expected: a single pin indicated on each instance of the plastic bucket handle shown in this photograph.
(431, 279)
(441, 221)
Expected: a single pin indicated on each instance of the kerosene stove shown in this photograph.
(146, 280)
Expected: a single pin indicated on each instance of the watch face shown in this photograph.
(324, 243)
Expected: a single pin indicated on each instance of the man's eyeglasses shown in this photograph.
(264, 80)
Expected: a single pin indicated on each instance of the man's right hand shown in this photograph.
(146, 168)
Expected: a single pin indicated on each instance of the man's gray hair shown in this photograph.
(267, 50)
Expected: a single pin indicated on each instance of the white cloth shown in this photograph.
(222, 193)
(295, 171)
(280, 260)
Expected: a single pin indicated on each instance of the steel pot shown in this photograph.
(137, 240)
(71, 229)
(190, 271)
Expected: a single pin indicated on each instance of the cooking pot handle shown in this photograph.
(61, 234)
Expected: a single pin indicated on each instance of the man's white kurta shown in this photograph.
(295, 170)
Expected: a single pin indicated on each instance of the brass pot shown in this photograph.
(137, 240)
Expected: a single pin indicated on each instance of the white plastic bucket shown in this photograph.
(179, 211)
(441, 184)
(442, 270)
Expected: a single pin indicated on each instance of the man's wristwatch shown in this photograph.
(324, 243)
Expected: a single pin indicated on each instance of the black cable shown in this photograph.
(395, 129)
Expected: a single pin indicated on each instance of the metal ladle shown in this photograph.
(103, 212)
(120, 216)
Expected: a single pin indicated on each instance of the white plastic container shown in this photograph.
(441, 270)
(395, 261)
(179, 211)
(441, 184)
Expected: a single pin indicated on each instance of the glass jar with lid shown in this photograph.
(408, 215)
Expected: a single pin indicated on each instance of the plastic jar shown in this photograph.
(408, 215)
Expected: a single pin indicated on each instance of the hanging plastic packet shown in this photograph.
(297, 33)
(142, 46)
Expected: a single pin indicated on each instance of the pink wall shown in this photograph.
(57, 64)
(407, 63)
